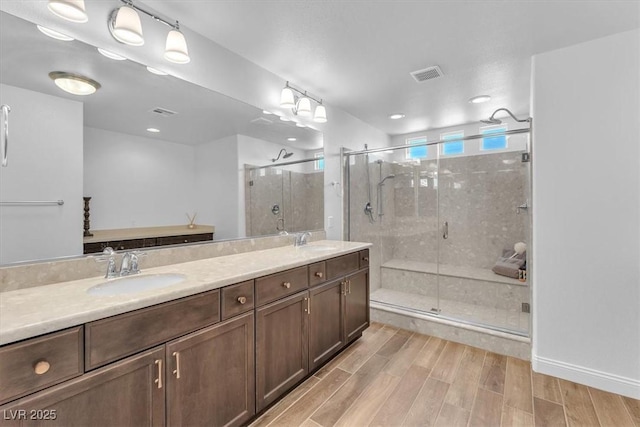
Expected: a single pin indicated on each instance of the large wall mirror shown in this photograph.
(211, 158)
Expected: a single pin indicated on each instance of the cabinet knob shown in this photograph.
(366, 258)
(242, 300)
(286, 285)
(319, 274)
(41, 367)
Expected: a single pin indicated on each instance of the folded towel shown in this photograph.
(509, 263)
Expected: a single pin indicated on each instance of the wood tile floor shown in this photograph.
(393, 377)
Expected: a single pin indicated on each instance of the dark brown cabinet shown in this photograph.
(326, 322)
(210, 375)
(356, 313)
(127, 393)
(282, 345)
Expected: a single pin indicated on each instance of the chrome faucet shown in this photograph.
(301, 238)
(128, 265)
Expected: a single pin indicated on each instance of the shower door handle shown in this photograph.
(4, 145)
(445, 230)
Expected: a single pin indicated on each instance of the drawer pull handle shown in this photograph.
(159, 379)
(308, 309)
(343, 287)
(177, 370)
(286, 285)
(319, 274)
(242, 300)
(349, 287)
(366, 259)
(41, 367)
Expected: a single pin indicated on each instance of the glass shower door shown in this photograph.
(483, 213)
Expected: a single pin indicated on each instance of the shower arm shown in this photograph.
(527, 120)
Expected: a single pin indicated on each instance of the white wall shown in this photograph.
(586, 210)
(137, 182)
(217, 189)
(45, 163)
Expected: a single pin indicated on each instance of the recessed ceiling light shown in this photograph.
(54, 34)
(301, 125)
(266, 112)
(479, 99)
(153, 130)
(111, 55)
(292, 139)
(285, 119)
(396, 116)
(156, 71)
(74, 83)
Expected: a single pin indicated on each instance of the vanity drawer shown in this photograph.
(36, 363)
(342, 265)
(187, 238)
(237, 299)
(364, 258)
(115, 337)
(271, 288)
(317, 273)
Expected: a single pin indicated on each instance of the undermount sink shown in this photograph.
(314, 248)
(132, 284)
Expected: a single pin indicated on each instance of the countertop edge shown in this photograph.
(37, 323)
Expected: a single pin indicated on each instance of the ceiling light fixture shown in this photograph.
(71, 10)
(479, 99)
(125, 26)
(397, 116)
(54, 34)
(301, 105)
(110, 54)
(156, 71)
(300, 125)
(153, 130)
(292, 139)
(74, 83)
(266, 112)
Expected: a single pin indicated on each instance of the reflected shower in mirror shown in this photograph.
(150, 150)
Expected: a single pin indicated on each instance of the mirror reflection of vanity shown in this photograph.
(212, 157)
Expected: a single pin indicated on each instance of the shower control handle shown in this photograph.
(445, 230)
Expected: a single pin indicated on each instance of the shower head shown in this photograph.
(286, 155)
(493, 121)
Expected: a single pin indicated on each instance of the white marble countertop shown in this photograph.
(35, 311)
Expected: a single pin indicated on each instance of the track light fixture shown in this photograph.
(300, 103)
(125, 26)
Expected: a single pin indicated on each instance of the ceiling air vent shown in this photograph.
(427, 74)
(163, 112)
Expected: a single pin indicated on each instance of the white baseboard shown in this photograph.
(591, 377)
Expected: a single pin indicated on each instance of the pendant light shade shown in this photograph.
(125, 26)
(304, 107)
(176, 48)
(71, 10)
(74, 83)
(320, 115)
(286, 98)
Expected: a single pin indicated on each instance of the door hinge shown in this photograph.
(526, 157)
(251, 183)
(526, 308)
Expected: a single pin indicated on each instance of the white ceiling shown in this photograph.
(357, 55)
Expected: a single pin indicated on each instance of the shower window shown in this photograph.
(417, 152)
(454, 144)
(493, 142)
(319, 164)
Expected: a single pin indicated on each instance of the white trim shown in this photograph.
(591, 377)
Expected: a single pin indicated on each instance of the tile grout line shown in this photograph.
(533, 400)
(564, 411)
(626, 408)
(475, 395)
(595, 409)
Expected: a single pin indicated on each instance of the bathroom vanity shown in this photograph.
(214, 349)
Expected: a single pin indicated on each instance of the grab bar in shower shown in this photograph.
(4, 144)
(33, 203)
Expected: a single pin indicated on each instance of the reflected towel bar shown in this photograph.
(33, 203)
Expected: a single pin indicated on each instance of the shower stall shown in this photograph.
(440, 220)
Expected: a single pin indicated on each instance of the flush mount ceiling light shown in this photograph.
(71, 10)
(110, 54)
(266, 112)
(153, 130)
(292, 139)
(300, 125)
(54, 34)
(156, 71)
(125, 26)
(397, 116)
(74, 83)
(300, 104)
(479, 99)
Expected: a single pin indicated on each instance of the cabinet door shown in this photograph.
(326, 322)
(126, 393)
(357, 304)
(282, 347)
(211, 378)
